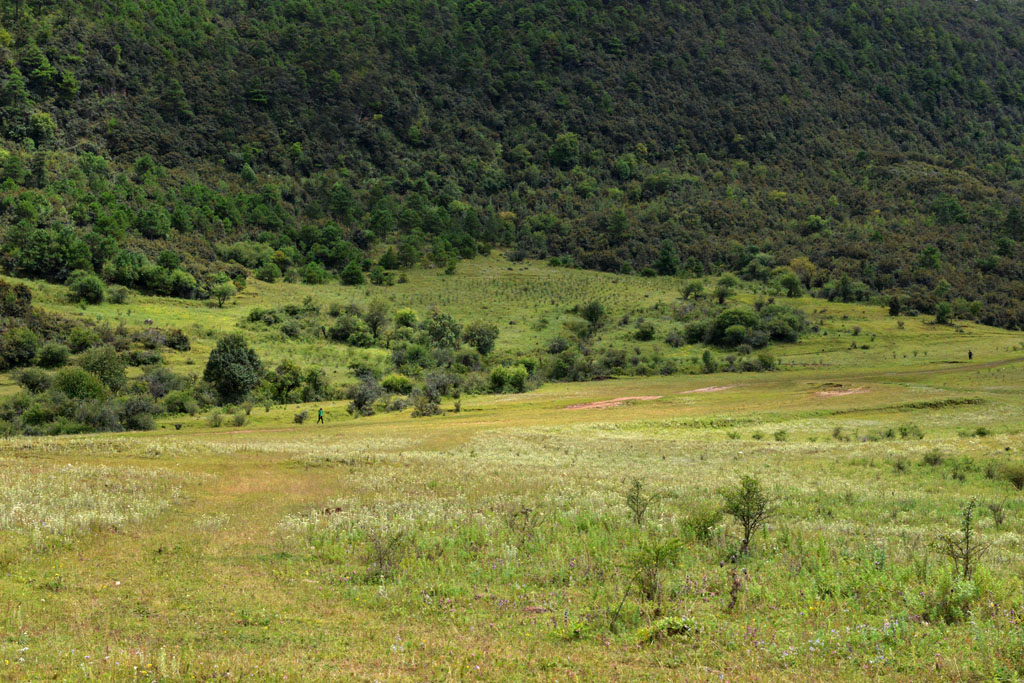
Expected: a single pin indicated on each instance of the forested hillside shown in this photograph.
(865, 149)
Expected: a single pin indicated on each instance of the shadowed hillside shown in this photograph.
(873, 149)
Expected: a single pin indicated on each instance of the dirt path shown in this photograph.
(707, 390)
(610, 403)
(831, 390)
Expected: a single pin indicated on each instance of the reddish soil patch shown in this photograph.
(705, 390)
(611, 403)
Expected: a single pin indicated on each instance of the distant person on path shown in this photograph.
(320, 416)
(970, 355)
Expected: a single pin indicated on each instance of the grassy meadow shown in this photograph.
(502, 543)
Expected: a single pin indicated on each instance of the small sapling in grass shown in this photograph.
(750, 505)
(654, 557)
(639, 501)
(701, 523)
(998, 513)
(384, 552)
(964, 549)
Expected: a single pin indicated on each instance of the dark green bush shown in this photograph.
(18, 347)
(85, 287)
(77, 383)
(53, 355)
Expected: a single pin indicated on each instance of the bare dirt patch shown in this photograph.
(831, 390)
(611, 403)
(706, 390)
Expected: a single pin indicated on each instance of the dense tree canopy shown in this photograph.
(233, 369)
(877, 142)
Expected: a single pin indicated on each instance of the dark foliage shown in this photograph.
(233, 369)
(876, 142)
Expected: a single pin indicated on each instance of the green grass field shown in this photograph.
(496, 543)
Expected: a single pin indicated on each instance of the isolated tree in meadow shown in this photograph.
(377, 317)
(233, 369)
(964, 549)
(594, 314)
(223, 292)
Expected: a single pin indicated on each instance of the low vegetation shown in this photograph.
(665, 513)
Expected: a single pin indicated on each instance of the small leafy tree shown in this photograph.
(693, 289)
(481, 336)
(233, 369)
(651, 561)
(352, 274)
(725, 287)
(363, 395)
(442, 330)
(223, 291)
(750, 505)
(790, 282)
(406, 317)
(594, 313)
(377, 317)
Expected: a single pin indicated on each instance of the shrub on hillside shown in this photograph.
(53, 355)
(397, 383)
(85, 287)
(104, 362)
(80, 384)
(18, 347)
(505, 379)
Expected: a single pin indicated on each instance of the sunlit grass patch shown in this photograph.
(45, 501)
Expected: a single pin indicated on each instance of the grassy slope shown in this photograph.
(225, 580)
